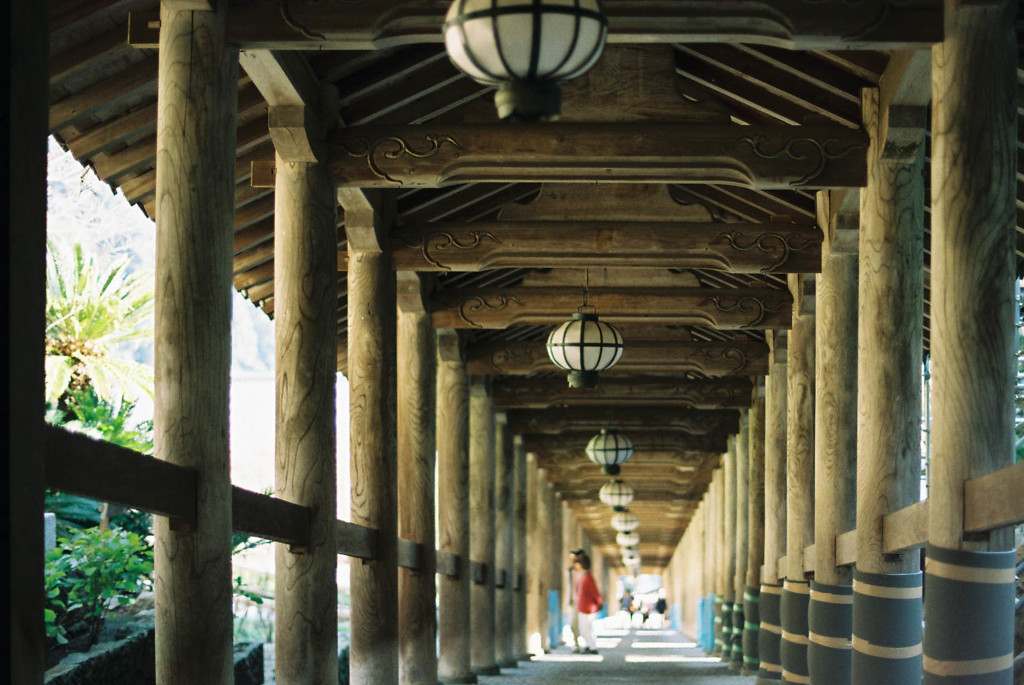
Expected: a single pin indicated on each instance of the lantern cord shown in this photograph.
(586, 286)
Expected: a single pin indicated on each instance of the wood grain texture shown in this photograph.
(717, 489)
(973, 213)
(993, 500)
(800, 443)
(728, 542)
(742, 506)
(24, 196)
(489, 308)
(453, 506)
(373, 463)
(417, 589)
(482, 524)
(504, 540)
(906, 528)
(538, 542)
(889, 340)
(305, 337)
(793, 24)
(197, 95)
(775, 460)
(835, 412)
(519, 556)
(738, 247)
(756, 516)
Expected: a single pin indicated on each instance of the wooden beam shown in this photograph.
(736, 247)
(994, 500)
(793, 24)
(674, 443)
(434, 155)
(752, 308)
(270, 518)
(641, 391)
(905, 528)
(746, 358)
(696, 422)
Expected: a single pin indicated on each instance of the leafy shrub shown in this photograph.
(88, 572)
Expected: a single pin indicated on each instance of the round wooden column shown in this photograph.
(755, 532)
(770, 634)
(417, 589)
(710, 550)
(556, 567)
(742, 514)
(373, 658)
(504, 493)
(306, 341)
(830, 617)
(969, 604)
(197, 88)
(799, 481)
(718, 542)
(728, 547)
(537, 576)
(888, 411)
(453, 509)
(481, 527)
(520, 560)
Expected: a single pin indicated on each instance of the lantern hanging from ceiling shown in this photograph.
(584, 346)
(609, 449)
(625, 521)
(627, 539)
(525, 48)
(629, 550)
(616, 494)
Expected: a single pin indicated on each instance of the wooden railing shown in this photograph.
(103, 471)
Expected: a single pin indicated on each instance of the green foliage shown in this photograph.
(87, 312)
(107, 420)
(89, 571)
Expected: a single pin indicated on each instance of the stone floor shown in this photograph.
(625, 656)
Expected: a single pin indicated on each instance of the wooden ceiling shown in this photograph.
(717, 126)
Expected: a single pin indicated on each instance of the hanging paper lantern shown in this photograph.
(625, 521)
(525, 47)
(627, 539)
(584, 346)
(608, 449)
(616, 494)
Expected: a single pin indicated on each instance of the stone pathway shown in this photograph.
(661, 657)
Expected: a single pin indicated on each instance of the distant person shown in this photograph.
(574, 617)
(626, 607)
(660, 607)
(588, 600)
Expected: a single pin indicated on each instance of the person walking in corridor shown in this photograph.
(588, 599)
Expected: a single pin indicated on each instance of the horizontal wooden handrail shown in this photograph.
(994, 500)
(267, 517)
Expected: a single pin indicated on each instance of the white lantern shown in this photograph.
(629, 549)
(608, 449)
(584, 346)
(625, 521)
(525, 47)
(627, 539)
(616, 494)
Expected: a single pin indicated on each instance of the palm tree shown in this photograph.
(88, 311)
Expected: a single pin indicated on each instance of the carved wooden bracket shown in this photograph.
(694, 421)
(758, 156)
(753, 308)
(554, 392)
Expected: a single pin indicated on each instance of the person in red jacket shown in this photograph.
(588, 600)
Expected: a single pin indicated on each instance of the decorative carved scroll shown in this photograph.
(776, 246)
(430, 244)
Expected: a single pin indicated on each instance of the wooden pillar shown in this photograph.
(755, 530)
(504, 491)
(417, 616)
(710, 550)
(776, 409)
(373, 658)
(889, 410)
(728, 544)
(453, 508)
(799, 480)
(520, 559)
(481, 527)
(742, 514)
(305, 337)
(569, 543)
(718, 542)
(556, 565)
(197, 88)
(538, 550)
(25, 199)
(970, 579)
(830, 616)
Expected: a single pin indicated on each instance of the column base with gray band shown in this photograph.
(724, 649)
(769, 639)
(751, 626)
(487, 670)
(969, 613)
(461, 680)
(736, 644)
(887, 613)
(830, 633)
(795, 598)
(717, 608)
(708, 617)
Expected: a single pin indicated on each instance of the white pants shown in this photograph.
(587, 629)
